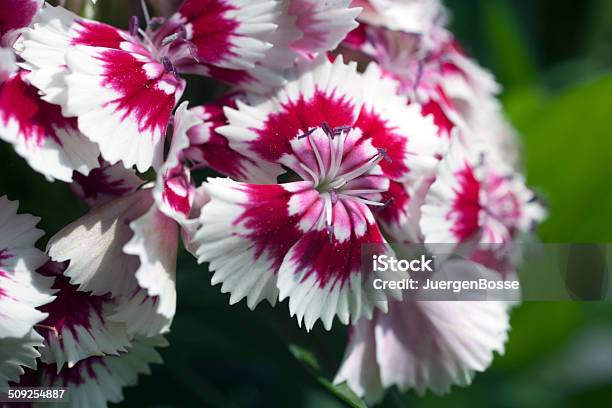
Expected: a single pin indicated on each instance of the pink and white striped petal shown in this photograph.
(104, 183)
(322, 273)
(429, 345)
(94, 245)
(323, 25)
(211, 149)
(51, 143)
(96, 381)
(228, 34)
(16, 15)
(245, 232)
(22, 290)
(77, 326)
(316, 91)
(17, 353)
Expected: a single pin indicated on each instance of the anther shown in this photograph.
(383, 153)
(134, 26)
(170, 39)
(338, 130)
(156, 22)
(330, 232)
(307, 133)
(168, 66)
(386, 204)
(328, 131)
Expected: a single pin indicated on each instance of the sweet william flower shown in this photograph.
(476, 199)
(123, 85)
(423, 345)
(347, 137)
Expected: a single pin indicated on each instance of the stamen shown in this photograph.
(330, 232)
(170, 39)
(338, 130)
(364, 168)
(145, 12)
(317, 154)
(156, 22)
(328, 131)
(169, 67)
(193, 51)
(134, 26)
(363, 200)
(315, 178)
(386, 204)
(307, 133)
(419, 76)
(384, 155)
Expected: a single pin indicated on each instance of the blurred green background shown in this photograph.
(554, 59)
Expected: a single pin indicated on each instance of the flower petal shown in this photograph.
(21, 288)
(322, 274)
(104, 183)
(317, 91)
(139, 312)
(212, 149)
(434, 345)
(245, 232)
(77, 326)
(155, 243)
(428, 345)
(50, 143)
(16, 353)
(359, 368)
(98, 380)
(94, 245)
(407, 136)
(322, 24)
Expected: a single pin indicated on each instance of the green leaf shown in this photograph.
(341, 391)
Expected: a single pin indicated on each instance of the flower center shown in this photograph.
(341, 166)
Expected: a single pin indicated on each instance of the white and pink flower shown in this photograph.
(344, 137)
(123, 85)
(423, 345)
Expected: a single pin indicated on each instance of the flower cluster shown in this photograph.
(344, 124)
